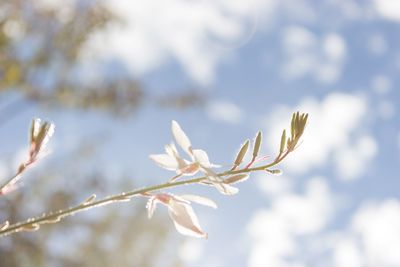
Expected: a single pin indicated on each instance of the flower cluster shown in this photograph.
(199, 161)
(181, 212)
(179, 207)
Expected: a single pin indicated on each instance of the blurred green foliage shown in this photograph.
(40, 50)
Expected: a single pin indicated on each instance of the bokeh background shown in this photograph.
(113, 74)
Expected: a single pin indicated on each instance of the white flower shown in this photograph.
(181, 212)
(199, 161)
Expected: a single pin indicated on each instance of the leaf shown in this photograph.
(283, 141)
(4, 225)
(34, 129)
(52, 220)
(89, 199)
(238, 178)
(242, 153)
(257, 144)
(30, 227)
(275, 172)
(123, 198)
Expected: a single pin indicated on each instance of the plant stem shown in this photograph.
(10, 181)
(34, 223)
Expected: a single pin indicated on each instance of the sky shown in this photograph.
(337, 203)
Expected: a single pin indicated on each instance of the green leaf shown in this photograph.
(257, 144)
(283, 141)
(242, 153)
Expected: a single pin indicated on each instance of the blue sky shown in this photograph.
(337, 203)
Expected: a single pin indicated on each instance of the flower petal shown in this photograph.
(225, 189)
(190, 169)
(201, 157)
(200, 200)
(181, 138)
(151, 206)
(165, 161)
(218, 183)
(171, 150)
(185, 219)
(212, 176)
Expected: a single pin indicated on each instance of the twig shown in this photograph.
(33, 224)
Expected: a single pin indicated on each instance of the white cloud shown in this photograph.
(378, 227)
(307, 213)
(224, 111)
(351, 9)
(273, 185)
(347, 254)
(294, 232)
(335, 130)
(372, 238)
(194, 33)
(307, 54)
(351, 159)
(334, 47)
(274, 232)
(388, 9)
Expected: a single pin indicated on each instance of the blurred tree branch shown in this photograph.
(40, 54)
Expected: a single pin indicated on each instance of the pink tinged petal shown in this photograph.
(200, 200)
(151, 206)
(185, 219)
(179, 199)
(165, 161)
(212, 176)
(219, 184)
(226, 189)
(190, 169)
(181, 138)
(201, 157)
(171, 150)
(162, 198)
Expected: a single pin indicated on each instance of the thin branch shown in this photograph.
(33, 224)
(4, 187)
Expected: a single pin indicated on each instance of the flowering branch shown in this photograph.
(179, 207)
(39, 135)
